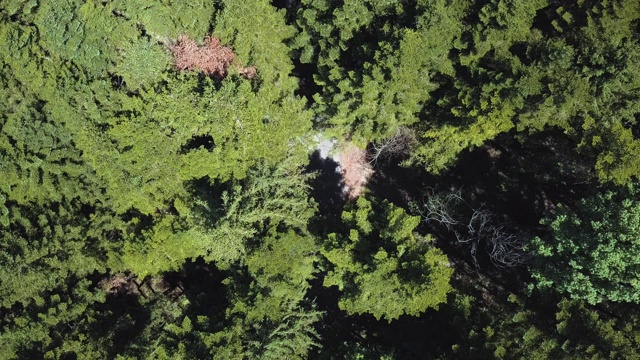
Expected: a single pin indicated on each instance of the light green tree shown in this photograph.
(268, 302)
(381, 266)
(56, 223)
(224, 222)
(376, 75)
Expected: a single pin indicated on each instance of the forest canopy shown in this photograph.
(319, 179)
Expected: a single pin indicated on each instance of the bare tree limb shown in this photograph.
(475, 226)
(399, 144)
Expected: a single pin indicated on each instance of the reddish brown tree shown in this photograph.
(355, 169)
(212, 58)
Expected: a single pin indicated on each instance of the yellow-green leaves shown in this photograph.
(142, 63)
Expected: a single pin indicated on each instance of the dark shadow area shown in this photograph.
(400, 185)
(326, 190)
(423, 337)
(199, 141)
(117, 82)
(338, 327)
(121, 318)
(29, 353)
(517, 180)
(69, 356)
(307, 87)
(203, 287)
(144, 221)
(408, 337)
(522, 51)
(285, 4)
(279, 4)
(209, 193)
(327, 185)
(87, 210)
(201, 284)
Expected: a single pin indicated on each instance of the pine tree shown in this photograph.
(381, 266)
(592, 252)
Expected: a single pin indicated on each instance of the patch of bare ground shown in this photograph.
(355, 169)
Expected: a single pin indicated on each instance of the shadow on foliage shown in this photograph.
(515, 181)
(208, 192)
(326, 190)
(203, 287)
(122, 319)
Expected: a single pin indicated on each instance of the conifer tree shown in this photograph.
(592, 252)
(381, 266)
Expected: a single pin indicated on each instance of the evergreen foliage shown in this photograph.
(152, 212)
(464, 73)
(45, 328)
(518, 328)
(372, 88)
(381, 266)
(56, 222)
(592, 253)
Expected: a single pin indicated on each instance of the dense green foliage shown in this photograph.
(592, 253)
(516, 328)
(463, 72)
(382, 267)
(152, 213)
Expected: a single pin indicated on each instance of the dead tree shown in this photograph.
(477, 227)
(399, 144)
(212, 58)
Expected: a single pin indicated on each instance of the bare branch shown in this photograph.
(475, 226)
(440, 208)
(399, 144)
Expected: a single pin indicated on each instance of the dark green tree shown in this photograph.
(591, 253)
(517, 327)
